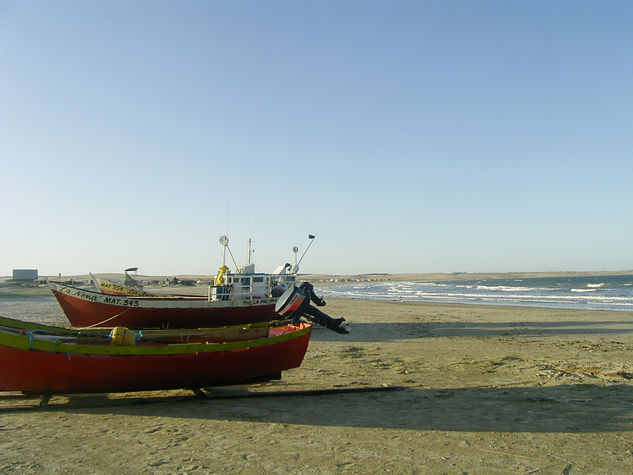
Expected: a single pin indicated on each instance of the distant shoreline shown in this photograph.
(367, 277)
(455, 276)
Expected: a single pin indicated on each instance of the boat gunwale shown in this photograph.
(27, 339)
(26, 325)
(132, 301)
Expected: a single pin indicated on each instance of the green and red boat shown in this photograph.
(46, 359)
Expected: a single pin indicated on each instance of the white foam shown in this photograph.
(504, 288)
(591, 296)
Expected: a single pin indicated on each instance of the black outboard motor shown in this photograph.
(308, 290)
(278, 290)
(295, 303)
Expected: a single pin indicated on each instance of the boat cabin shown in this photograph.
(249, 284)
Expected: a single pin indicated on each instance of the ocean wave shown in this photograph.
(554, 300)
(556, 294)
(504, 288)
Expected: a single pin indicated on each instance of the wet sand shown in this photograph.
(487, 390)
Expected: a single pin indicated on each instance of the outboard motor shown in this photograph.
(278, 290)
(295, 303)
(306, 287)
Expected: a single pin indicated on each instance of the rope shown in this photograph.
(98, 324)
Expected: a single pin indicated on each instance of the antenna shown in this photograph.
(250, 243)
(311, 238)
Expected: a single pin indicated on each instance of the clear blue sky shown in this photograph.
(408, 136)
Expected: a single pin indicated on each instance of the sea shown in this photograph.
(604, 292)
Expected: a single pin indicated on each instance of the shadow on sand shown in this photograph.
(380, 332)
(566, 408)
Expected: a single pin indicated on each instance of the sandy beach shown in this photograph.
(487, 389)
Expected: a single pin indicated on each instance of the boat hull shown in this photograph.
(86, 308)
(32, 370)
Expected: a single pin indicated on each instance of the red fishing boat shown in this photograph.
(226, 285)
(233, 298)
(223, 306)
(43, 359)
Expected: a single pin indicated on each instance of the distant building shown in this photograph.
(27, 275)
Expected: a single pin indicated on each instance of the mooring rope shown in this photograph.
(98, 324)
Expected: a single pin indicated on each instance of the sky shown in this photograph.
(407, 136)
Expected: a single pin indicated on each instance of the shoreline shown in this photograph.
(457, 276)
(360, 277)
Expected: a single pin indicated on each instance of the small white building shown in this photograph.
(29, 275)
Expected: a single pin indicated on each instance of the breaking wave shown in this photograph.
(610, 293)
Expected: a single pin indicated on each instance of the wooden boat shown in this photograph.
(128, 287)
(241, 297)
(87, 308)
(44, 359)
(244, 283)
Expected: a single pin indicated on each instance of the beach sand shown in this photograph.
(487, 390)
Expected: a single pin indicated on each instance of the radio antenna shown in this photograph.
(311, 238)
(250, 240)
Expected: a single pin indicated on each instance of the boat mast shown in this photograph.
(250, 247)
(224, 240)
